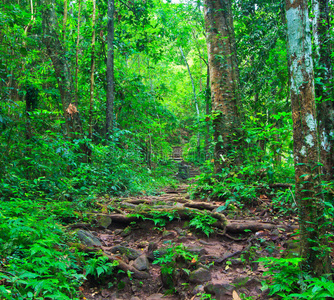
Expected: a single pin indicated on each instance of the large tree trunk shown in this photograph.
(224, 76)
(110, 70)
(324, 88)
(314, 245)
(62, 69)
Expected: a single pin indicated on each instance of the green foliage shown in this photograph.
(99, 267)
(287, 281)
(36, 263)
(159, 218)
(284, 202)
(203, 222)
(174, 258)
(285, 272)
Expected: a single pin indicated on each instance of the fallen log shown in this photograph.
(183, 213)
(200, 205)
(241, 226)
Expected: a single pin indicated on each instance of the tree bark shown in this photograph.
(324, 87)
(77, 56)
(224, 76)
(110, 70)
(92, 68)
(62, 69)
(195, 99)
(64, 21)
(313, 227)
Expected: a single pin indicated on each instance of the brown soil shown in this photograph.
(228, 256)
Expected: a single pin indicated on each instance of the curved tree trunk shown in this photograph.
(224, 76)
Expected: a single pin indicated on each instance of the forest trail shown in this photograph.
(161, 248)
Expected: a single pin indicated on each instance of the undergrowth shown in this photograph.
(287, 281)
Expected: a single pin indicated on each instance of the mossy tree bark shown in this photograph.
(224, 76)
(324, 88)
(313, 227)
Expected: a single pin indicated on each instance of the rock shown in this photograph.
(141, 263)
(118, 231)
(168, 234)
(196, 250)
(240, 281)
(200, 275)
(104, 221)
(155, 297)
(198, 289)
(246, 281)
(236, 262)
(87, 238)
(127, 230)
(180, 231)
(157, 253)
(134, 298)
(221, 291)
(128, 252)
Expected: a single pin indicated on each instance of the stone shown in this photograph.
(198, 289)
(87, 238)
(104, 221)
(221, 291)
(196, 250)
(118, 231)
(157, 253)
(127, 230)
(128, 252)
(200, 275)
(141, 263)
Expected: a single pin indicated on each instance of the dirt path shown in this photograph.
(175, 257)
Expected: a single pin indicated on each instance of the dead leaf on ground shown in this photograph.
(235, 296)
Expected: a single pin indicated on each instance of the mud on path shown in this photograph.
(177, 259)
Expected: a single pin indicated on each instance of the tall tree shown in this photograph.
(195, 99)
(324, 87)
(110, 69)
(224, 76)
(92, 68)
(57, 54)
(313, 242)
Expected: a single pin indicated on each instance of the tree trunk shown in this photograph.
(314, 244)
(324, 88)
(92, 68)
(196, 103)
(208, 112)
(110, 70)
(224, 76)
(62, 69)
(64, 21)
(77, 57)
